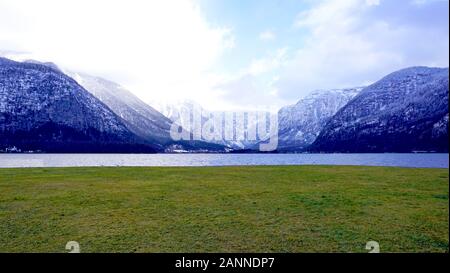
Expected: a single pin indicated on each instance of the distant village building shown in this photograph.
(13, 149)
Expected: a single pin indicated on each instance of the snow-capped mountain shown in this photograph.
(176, 110)
(182, 112)
(141, 118)
(43, 109)
(405, 111)
(300, 124)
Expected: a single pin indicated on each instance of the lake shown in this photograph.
(85, 160)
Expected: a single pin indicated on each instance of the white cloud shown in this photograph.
(268, 63)
(347, 47)
(373, 2)
(156, 48)
(267, 35)
(345, 44)
(254, 87)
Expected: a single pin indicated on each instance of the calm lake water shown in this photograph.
(79, 160)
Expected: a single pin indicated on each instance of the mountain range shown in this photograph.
(48, 109)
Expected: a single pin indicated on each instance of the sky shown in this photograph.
(229, 54)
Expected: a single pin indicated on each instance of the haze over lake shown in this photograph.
(156, 160)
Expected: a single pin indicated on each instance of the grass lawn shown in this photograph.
(224, 209)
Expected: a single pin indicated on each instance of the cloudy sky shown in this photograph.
(229, 54)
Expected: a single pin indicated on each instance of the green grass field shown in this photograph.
(224, 209)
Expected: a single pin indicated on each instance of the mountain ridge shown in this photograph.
(301, 123)
(44, 109)
(402, 112)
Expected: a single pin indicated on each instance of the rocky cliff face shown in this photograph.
(404, 112)
(43, 109)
